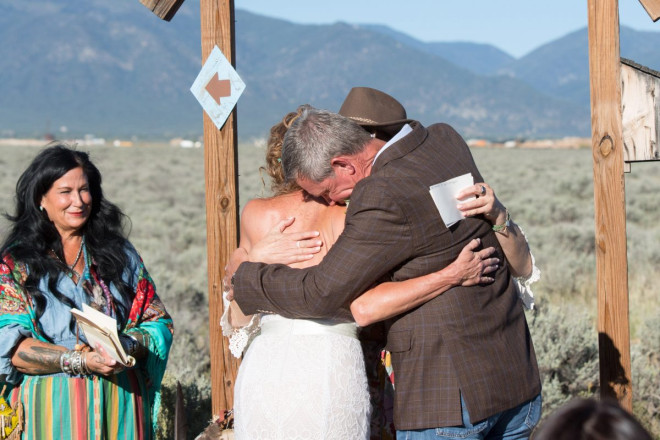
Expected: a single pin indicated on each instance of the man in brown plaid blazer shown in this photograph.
(464, 362)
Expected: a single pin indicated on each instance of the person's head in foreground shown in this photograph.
(591, 419)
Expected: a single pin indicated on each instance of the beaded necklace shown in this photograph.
(72, 271)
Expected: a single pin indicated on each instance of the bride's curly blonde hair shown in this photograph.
(273, 167)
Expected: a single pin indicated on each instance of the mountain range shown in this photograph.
(115, 70)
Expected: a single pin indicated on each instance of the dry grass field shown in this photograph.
(549, 192)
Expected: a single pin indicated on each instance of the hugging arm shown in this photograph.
(393, 298)
(375, 238)
(276, 246)
(387, 299)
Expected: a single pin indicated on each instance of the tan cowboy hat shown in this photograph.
(372, 108)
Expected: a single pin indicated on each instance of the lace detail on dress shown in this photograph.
(239, 337)
(293, 386)
(524, 285)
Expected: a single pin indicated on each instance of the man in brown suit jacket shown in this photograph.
(464, 361)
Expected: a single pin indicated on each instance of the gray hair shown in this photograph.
(315, 138)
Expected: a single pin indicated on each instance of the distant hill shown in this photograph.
(482, 59)
(115, 69)
(110, 68)
(561, 68)
(288, 64)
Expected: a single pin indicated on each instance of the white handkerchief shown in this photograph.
(444, 196)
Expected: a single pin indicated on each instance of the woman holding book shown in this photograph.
(67, 249)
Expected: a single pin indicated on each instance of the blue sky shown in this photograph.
(515, 26)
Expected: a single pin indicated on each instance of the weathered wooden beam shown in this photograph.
(221, 176)
(165, 9)
(652, 8)
(609, 199)
(640, 87)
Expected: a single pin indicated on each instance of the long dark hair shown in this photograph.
(33, 236)
(591, 419)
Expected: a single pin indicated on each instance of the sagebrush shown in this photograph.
(549, 192)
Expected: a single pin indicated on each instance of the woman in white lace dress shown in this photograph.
(305, 379)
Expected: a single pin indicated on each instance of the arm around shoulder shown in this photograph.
(375, 226)
(390, 299)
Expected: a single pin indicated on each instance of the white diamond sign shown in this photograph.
(217, 87)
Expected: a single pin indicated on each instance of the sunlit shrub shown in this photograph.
(566, 345)
(646, 365)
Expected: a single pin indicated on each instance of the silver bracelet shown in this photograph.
(76, 363)
(73, 363)
(65, 362)
(85, 368)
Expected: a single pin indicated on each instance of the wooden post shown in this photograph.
(609, 197)
(221, 166)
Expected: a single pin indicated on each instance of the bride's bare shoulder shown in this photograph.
(259, 215)
(273, 205)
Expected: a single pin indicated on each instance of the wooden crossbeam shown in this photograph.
(165, 9)
(652, 8)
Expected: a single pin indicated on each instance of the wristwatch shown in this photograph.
(129, 343)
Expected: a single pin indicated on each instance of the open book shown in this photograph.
(101, 329)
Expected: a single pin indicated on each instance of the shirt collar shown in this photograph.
(402, 133)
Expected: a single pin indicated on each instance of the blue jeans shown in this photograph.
(513, 424)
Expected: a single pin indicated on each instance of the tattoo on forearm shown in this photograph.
(40, 360)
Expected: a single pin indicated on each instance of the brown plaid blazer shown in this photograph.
(472, 341)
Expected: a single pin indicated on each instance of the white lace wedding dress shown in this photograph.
(299, 380)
